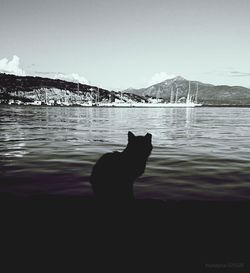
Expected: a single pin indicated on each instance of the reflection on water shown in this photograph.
(199, 153)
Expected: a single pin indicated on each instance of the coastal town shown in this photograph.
(57, 97)
(175, 92)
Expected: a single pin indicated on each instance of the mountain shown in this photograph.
(30, 89)
(208, 94)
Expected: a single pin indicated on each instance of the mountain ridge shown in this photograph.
(30, 89)
(34, 88)
(208, 94)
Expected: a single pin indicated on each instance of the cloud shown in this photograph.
(145, 82)
(239, 74)
(46, 73)
(74, 77)
(11, 66)
(160, 77)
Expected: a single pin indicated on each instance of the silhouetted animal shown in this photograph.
(114, 173)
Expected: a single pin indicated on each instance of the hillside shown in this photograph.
(54, 91)
(208, 94)
(30, 89)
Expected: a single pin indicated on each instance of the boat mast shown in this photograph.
(196, 95)
(91, 94)
(188, 96)
(157, 94)
(171, 96)
(176, 97)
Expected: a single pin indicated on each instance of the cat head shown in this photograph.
(140, 145)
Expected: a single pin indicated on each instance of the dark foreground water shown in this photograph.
(200, 153)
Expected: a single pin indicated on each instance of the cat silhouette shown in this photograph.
(113, 175)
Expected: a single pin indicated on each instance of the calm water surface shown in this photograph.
(200, 153)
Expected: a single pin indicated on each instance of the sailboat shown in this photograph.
(174, 102)
(189, 101)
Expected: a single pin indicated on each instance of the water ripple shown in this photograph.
(200, 153)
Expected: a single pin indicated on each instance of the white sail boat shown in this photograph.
(174, 101)
(174, 104)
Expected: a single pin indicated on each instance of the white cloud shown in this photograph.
(160, 77)
(11, 66)
(156, 78)
(73, 77)
(239, 74)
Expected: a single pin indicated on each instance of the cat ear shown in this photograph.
(131, 136)
(148, 137)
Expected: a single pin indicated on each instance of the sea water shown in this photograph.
(199, 153)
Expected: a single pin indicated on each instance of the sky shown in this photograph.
(119, 44)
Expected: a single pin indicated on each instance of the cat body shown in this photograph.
(114, 173)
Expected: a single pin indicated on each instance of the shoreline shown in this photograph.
(170, 107)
